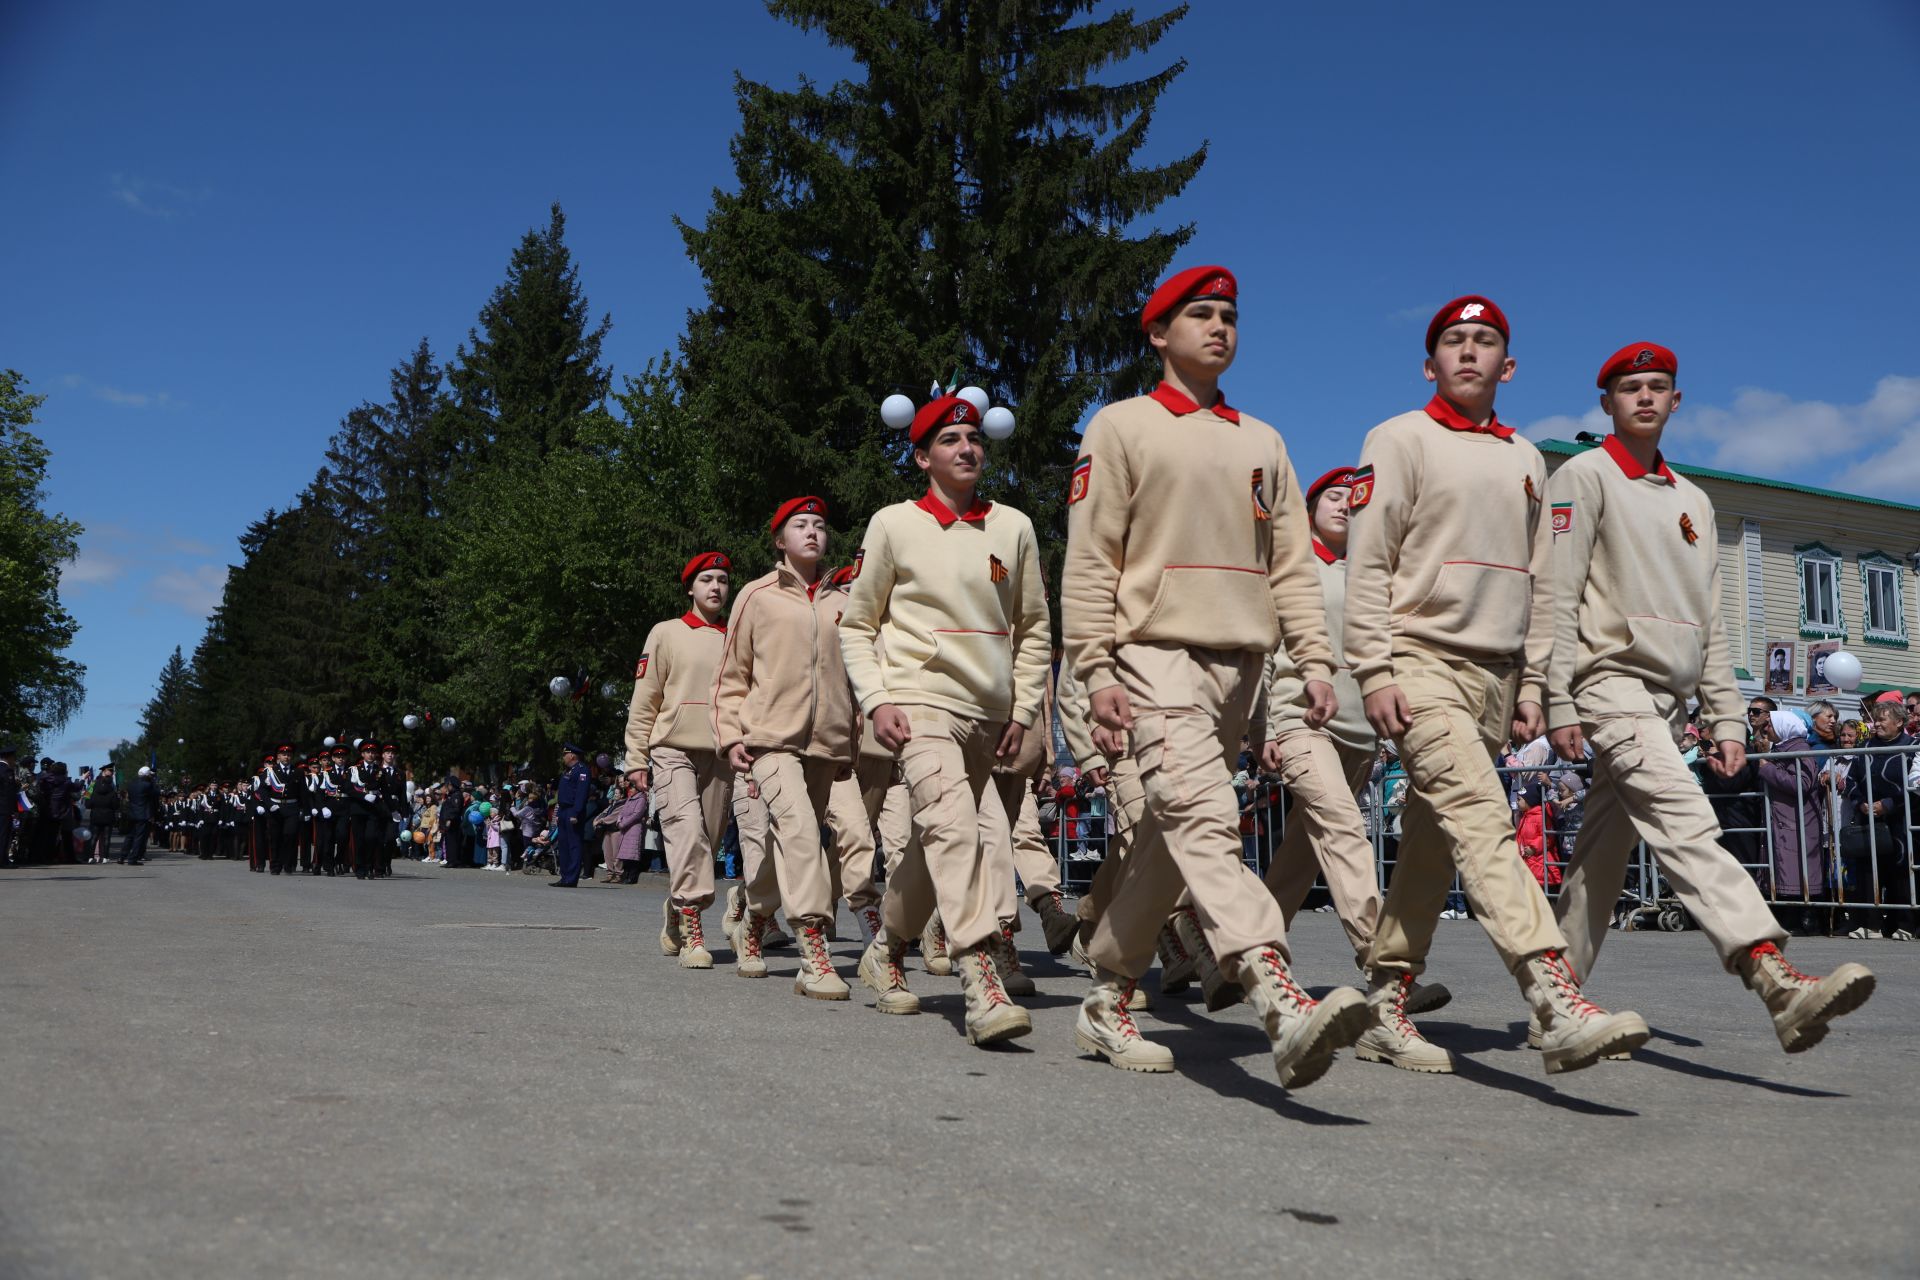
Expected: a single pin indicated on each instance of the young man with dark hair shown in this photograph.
(1188, 561)
(950, 588)
(1449, 630)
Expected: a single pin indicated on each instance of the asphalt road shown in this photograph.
(210, 1073)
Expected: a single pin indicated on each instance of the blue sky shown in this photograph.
(223, 223)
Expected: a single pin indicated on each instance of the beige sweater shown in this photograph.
(673, 688)
(1287, 692)
(1637, 567)
(1449, 549)
(1186, 528)
(780, 685)
(960, 606)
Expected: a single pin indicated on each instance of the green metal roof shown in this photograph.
(1573, 448)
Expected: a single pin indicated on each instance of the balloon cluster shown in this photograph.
(996, 422)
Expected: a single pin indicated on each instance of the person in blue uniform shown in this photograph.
(572, 811)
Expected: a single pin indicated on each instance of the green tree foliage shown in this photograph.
(968, 203)
(40, 687)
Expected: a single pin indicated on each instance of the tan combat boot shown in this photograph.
(868, 918)
(1802, 1005)
(1425, 997)
(1305, 1032)
(1216, 988)
(669, 929)
(816, 979)
(1105, 1028)
(1176, 962)
(933, 948)
(1137, 1001)
(773, 937)
(736, 908)
(748, 961)
(991, 1015)
(693, 941)
(1055, 922)
(880, 972)
(1574, 1031)
(1392, 1038)
(1006, 958)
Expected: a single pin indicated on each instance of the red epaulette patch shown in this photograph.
(1562, 518)
(640, 672)
(1360, 493)
(859, 557)
(1082, 479)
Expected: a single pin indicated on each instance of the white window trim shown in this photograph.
(1879, 562)
(1814, 551)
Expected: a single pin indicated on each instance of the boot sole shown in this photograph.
(901, 1008)
(1060, 935)
(1087, 1044)
(1842, 1000)
(1429, 998)
(1009, 1029)
(801, 989)
(1020, 986)
(905, 1001)
(1533, 1042)
(690, 960)
(1365, 1054)
(1630, 1033)
(941, 968)
(1339, 1027)
(750, 973)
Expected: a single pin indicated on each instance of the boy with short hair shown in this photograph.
(1637, 630)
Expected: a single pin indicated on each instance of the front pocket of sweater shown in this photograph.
(1212, 606)
(1478, 606)
(975, 665)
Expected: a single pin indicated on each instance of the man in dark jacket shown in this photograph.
(103, 813)
(9, 803)
(143, 806)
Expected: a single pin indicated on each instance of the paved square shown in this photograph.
(212, 1073)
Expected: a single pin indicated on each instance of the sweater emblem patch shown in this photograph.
(1562, 518)
(1082, 478)
(640, 672)
(859, 558)
(1687, 530)
(1361, 491)
(1532, 494)
(996, 571)
(1261, 511)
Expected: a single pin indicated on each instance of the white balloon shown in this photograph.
(998, 423)
(560, 686)
(326, 742)
(357, 742)
(975, 397)
(410, 721)
(896, 411)
(1843, 670)
(448, 724)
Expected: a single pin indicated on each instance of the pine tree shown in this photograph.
(164, 720)
(971, 203)
(40, 686)
(531, 368)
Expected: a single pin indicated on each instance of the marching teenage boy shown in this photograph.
(782, 716)
(1188, 560)
(670, 732)
(1636, 631)
(950, 586)
(1449, 624)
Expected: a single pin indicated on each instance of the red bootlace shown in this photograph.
(1012, 955)
(1568, 986)
(990, 988)
(895, 974)
(814, 939)
(1271, 960)
(691, 930)
(1123, 1015)
(1172, 938)
(1402, 988)
(1779, 958)
(750, 939)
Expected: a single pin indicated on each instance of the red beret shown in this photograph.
(1472, 309)
(1339, 476)
(1194, 282)
(704, 561)
(1637, 357)
(804, 506)
(943, 412)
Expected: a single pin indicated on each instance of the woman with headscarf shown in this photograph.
(1794, 811)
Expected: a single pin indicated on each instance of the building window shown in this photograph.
(1886, 612)
(1819, 572)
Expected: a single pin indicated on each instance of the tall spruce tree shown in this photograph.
(164, 720)
(40, 686)
(974, 201)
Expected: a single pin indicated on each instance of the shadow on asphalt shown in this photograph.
(1700, 1071)
(1210, 1059)
(69, 879)
(1539, 1091)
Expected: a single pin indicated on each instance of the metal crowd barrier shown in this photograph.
(1832, 876)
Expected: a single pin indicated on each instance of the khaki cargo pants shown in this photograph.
(690, 794)
(1457, 816)
(853, 806)
(1325, 833)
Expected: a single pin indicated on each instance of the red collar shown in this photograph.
(1634, 471)
(695, 621)
(1453, 420)
(1179, 405)
(976, 514)
(1326, 556)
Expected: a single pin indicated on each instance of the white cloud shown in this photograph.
(156, 199)
(1870, 447)
(79, 751)
(192, 589)
(92, 566)
(136, 399)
